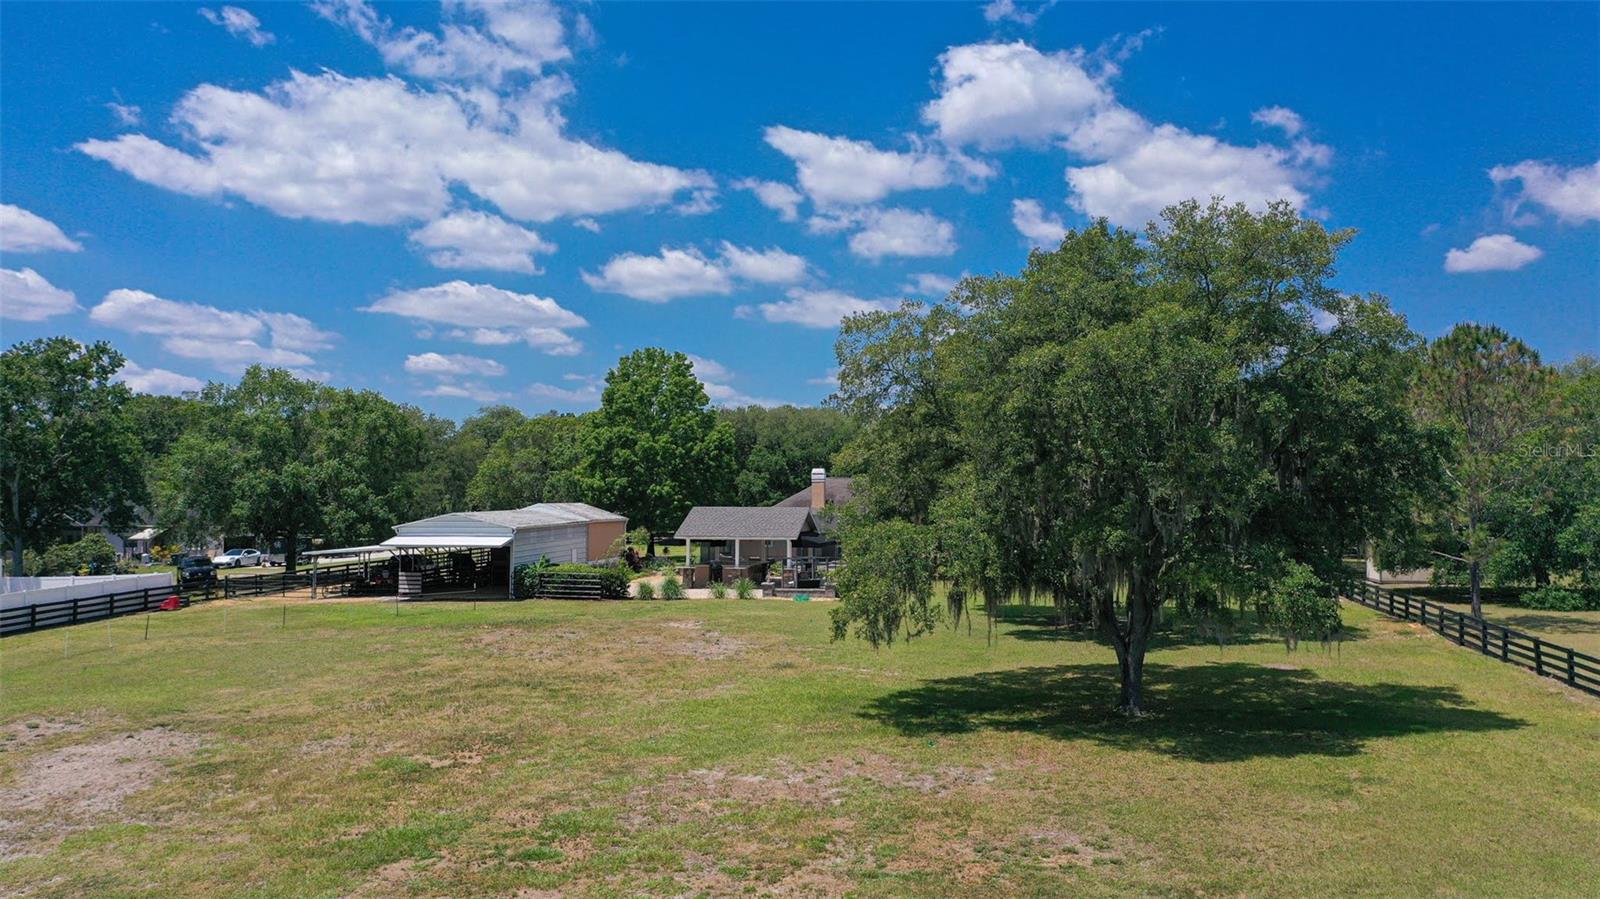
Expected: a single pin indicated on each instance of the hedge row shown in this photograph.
(546, 580)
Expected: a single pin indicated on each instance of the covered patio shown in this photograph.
(727, 543)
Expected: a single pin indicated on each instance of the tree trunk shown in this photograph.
(291, 551)
(1477, 590)
(16, 556)
(650, 545)
(1130, 644)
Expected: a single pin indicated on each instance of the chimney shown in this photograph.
(819, 490)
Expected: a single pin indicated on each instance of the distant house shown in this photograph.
(726, 543)
(128, 542)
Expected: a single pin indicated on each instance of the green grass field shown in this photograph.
(1579, 630)
(708, 747)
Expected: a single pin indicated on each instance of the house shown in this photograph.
(726, 543)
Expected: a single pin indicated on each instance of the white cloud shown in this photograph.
(1171, 165)
(702, 200)
(902, 232)
(775, 195)
(1491, 253)
(1281, 117)
(992, 95)
(831, 379)
(677, 272)
(488, 315)
(478, 240)
(227, 339)
(140, 312)
(127, 114)
(157, 380)
(240, 23)
(467, 390)
(769, 266)
(587, 224)
(26, 296)
(1044, 230)
(714, 376)
(1572, 194)
(376, 151)
(586, 392)
(671, 274)
(440, 365)
(480, 40)
(838, 171)
(930, 284)
(24, 232)
(816, 308)
(234, 356)
(1010, 11)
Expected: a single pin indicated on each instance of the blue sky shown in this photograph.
(468, 204)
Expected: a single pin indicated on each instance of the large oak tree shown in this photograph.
(1191, 416)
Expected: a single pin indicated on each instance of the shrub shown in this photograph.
(744, 588)
(1300, 605)
(1559, 599)
(645, 590)
(539, 578)
(92, 555)
(671, 588)
(719, 590)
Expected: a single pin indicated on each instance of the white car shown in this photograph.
(237, 558)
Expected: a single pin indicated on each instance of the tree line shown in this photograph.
(274, 457)
(1197, 416)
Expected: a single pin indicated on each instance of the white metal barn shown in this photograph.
(560, 532)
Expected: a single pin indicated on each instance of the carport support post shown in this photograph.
(511, 573)
(688, 554)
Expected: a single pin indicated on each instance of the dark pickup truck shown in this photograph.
(196, 570)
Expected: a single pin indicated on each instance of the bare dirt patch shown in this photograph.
(77, 786)
(695, 795)
(699, 641)
(22, 734)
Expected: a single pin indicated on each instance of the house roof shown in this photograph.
(835, 492)
(745, 523)
(536, 515)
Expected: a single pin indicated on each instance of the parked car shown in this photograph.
(238, 558)
(195, 570)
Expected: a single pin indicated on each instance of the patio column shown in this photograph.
(688, 552)
(736, 552)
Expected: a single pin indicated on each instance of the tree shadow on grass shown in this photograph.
(1041, 624)
(1218, 712)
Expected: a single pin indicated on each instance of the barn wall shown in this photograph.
(601, 535)
(558, 543)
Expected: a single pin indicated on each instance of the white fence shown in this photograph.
(27, 591)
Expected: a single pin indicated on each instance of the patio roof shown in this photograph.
(745, 523)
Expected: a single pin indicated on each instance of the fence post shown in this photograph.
(1505, 655)
(1538, 656)
(1572, 670)
(1461, 630)
(1483, 636)
(33, 617)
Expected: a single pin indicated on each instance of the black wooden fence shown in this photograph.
(1573, 668)
(61, 613)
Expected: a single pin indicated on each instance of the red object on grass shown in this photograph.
(171, 604)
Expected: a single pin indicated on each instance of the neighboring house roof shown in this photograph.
(745, 523)
(536, 515)
(835, 492)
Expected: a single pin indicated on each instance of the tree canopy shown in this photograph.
(655, 448)
(1129, 422)
(68, 448)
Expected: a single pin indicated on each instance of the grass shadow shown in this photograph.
(1218, 712)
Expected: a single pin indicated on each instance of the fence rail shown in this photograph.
(1578, 670)
(443, 570)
